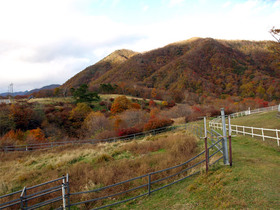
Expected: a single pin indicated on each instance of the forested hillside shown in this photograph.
(204, 67)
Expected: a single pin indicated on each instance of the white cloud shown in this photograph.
(173, 3)
(227, 4)
(145, 8)
(51, 40)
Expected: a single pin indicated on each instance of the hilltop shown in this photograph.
(93, 72)
(203, 66)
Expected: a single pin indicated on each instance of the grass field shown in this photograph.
(90, 166)
(51, 100)
(251, 183)
(54, 100)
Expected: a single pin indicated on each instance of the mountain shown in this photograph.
(22, 93)
(93, 72)
(203, 66)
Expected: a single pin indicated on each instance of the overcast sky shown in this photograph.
(46, 42)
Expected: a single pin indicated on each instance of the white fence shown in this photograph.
(255, 111)
(264, 133)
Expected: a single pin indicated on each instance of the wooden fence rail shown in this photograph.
(264, 133)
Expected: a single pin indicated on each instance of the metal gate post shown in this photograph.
(225, 148)
(22, 199)
(68, 191)
(206, 146)
(229, 141)
(63, 194)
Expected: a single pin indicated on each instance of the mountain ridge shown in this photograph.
(204, 66)
(22, 93)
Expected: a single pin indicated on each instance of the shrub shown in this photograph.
(164, 103)
(152, 103)
(157, 123)
(96, 122)
(106, 134)
(104, 158)
(176, 111)
(128, 131)
(131, 118)
(102, 103)
(135, 106)
(171, 104)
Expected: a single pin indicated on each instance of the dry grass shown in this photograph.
(51, 100)
(92, 166)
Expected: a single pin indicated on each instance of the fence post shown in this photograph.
(205, 144)
(23, 204)
(243, 130)
(277, 137)
(252, 129)
(68, 191)
(229, 141)
(63, 194)
(262, 134)
(225, 149)
(149, 184)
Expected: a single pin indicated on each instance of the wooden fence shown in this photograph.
(263, 133)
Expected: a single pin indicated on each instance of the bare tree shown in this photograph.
(275, 33)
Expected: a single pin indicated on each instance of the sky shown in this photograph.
(45, 42)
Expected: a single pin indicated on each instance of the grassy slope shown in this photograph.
(252, 182)
(261, 120)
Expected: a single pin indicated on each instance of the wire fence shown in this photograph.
(50, 145)
(119, 192)
(37, 196)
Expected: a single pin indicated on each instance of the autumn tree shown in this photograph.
(21, 116)
(35, 136)
(120, 104)
(57, 92)
(6, 123)
(96, 122)
(131, 118)
(154, 93)
(80, 112)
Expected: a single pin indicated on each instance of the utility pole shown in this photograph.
(10, 91)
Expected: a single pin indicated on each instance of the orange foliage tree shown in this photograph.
(35, 136)
(120, 104)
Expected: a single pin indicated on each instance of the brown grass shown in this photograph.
(92, 166)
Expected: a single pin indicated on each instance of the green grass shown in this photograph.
(261, 120)
(252, 182)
